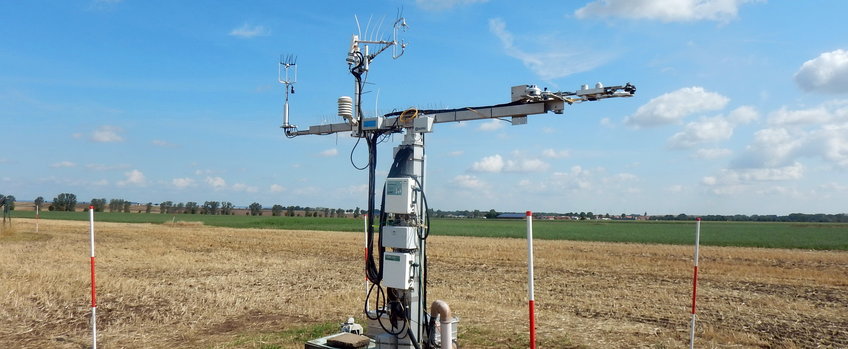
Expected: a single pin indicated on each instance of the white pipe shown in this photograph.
(286, 109)
(441, 308)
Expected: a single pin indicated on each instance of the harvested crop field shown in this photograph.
(193, 286)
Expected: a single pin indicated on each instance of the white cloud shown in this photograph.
(771, 147)
(134, 177)
(216, 183)
(62, 164)
(556, 154)
(834, 187)
(276, 188)
(329, 152)
(607, 122)
(826, 73)
(732, 176)
(496, 164)
(706, 130)
(163, 144)
(672, 107)
(555, 61)
(491, 125)
(743, 115)
(664, 10)
(245, 188)
(107, 134)
(527, 165)
(440, 5)
(675, 188)
(786, 117)
(248, 31)
(355, 190)
(104, 167)
(712, 153)
(182, 182)
(831, 143)
(736, 181)
(576, 178)
(469, 182)
(818, 132)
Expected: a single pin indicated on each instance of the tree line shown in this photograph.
(792, 217)
(68, 202)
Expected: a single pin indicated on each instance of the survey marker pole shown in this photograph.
(530, 291)
(36, 218)
(695, 282)
(93, 292)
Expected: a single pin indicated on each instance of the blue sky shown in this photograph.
(742, 106)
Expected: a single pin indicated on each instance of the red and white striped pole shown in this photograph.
(695, 282)
(530, 290)
(93, 289)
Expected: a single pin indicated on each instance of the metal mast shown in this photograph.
(396, 259)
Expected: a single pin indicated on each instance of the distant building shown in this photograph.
(512, 216)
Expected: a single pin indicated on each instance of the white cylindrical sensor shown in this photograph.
(346, 107)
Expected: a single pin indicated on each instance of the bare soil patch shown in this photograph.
(189, 286)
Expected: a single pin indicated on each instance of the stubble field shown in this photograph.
(193, 286)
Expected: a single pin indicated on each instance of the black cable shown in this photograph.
(412, 338)
(351, 155)
(378, 309)
(436, 111)
(374, 274)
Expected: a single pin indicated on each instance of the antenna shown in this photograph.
(400, 25)
(359, 60)
(287, 75)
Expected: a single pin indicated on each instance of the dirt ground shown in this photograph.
(192, 286)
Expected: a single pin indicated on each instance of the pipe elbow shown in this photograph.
(441, 308)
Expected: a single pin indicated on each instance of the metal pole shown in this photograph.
(530, 280)
(93, 292)
(695, 282)
(286, 108)
(365, 219)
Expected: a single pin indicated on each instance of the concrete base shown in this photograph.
(321, 343)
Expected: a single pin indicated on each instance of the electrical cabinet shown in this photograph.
(372, 123)
(397, 270)
(399, 195)
(400, 237)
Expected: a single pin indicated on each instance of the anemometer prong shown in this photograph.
(288, 63)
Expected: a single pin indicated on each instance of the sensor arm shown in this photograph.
(527, 100)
